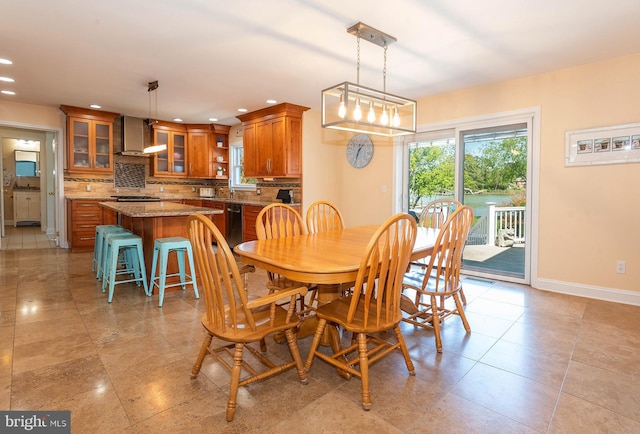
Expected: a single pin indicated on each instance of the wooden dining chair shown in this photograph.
(231, 316)
(373, 306)
(323, 216)
(425, 288)
(436, 212)
(274, 221)
(433, 215)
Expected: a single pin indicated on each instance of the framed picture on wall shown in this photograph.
(585, 146)
(604, 145)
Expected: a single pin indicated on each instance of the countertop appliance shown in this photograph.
(286, 196)
(136, 199)
(234, 224)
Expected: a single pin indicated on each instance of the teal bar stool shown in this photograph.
(97, 247)
(162, 247)
(130, 246)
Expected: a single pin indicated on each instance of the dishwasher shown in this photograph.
(234, 224)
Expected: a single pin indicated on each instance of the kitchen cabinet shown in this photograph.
(220, 220)
(82, 218)
(272, 140)
(172, 161)
(249, 216)
(208, 151)
(89, 140)
(26, 206)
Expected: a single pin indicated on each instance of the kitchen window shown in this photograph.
(236, 177)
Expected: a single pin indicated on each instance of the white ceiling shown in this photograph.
(214, 56)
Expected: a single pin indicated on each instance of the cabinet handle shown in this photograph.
(87, 226)
(87, 238)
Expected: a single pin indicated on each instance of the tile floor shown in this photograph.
(26, 237)
(535, 362)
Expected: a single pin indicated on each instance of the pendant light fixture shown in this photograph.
(386, 114)
(152, 91)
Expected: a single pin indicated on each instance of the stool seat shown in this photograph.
(161, 248)
(131, 247)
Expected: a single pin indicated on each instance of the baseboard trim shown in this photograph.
(589, 291)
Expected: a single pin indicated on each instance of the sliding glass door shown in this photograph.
(485, 166)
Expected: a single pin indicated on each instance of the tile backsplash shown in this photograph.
(127, 175)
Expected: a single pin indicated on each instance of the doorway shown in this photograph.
(28, 212)
(490, 165)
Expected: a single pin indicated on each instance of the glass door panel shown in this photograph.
(494, 185)
(178, 152)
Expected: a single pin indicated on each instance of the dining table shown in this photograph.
(326, 259)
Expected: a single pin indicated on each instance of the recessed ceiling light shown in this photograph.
(7, 92)
(177, 120)
(7, 79)
(213, 119)
(243, 110)
(95, 106)
(271, 101)
(6, 61)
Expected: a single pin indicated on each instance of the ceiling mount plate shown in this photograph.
(370, 34)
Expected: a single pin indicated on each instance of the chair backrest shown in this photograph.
(323, 216)
(279, 221)
(436, 212)
(221, 282)
(446, 260)
(378, 284)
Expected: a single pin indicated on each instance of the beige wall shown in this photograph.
(588, 215)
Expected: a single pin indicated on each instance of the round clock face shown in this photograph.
(359, 150)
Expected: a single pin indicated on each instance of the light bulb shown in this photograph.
(396, 117)
(384, 118)
(371, 116)
(342, 110)
(357, 112)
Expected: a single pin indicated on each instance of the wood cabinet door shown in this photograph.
(198, 155)
(250, 150)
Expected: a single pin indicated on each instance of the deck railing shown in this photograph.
(499, 224)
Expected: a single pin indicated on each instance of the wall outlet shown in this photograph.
(88, 187)
(161, 189)
(193, 189)
(621, 267)
(258, 191)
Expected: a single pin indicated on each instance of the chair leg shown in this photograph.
(405, 350)
(314, 344)
(461, 313)
(203, 352)
(235, 378)
(462, 296)
(436, 322)
(295, 353)
(364, 370)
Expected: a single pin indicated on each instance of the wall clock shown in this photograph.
(359, 150)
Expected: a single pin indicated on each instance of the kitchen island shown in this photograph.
(151, 220)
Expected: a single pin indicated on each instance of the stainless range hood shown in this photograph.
(133, 137)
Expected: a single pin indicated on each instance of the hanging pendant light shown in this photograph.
(157, 147)
(398, 116)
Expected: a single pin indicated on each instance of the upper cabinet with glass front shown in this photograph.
(89, 140)
(172, 161)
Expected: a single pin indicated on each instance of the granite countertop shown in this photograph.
(212, 199)
(156, 209)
